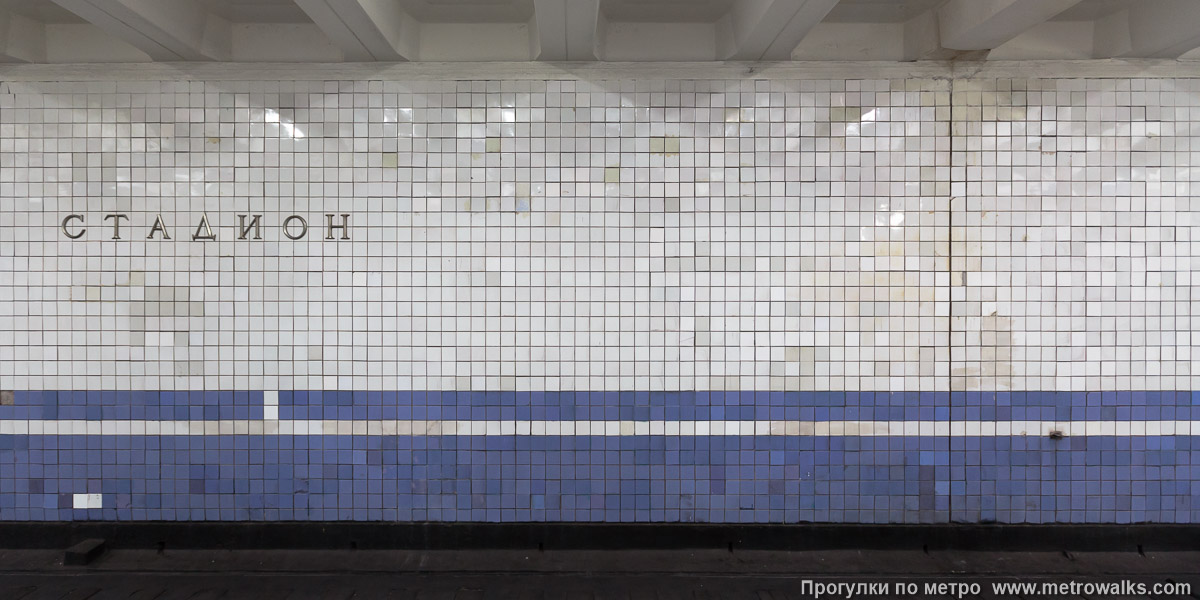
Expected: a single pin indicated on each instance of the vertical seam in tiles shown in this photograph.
(952, 135)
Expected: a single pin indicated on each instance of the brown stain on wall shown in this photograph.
(993, 369)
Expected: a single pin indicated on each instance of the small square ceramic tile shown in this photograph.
(88, 501)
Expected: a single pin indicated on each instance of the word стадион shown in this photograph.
(249, 227)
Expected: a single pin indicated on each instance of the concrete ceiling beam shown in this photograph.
(166, 30)
(986, 24)
(566, 29)
(21, 39)
(366, 30)
(1154, 29)
(769, 29)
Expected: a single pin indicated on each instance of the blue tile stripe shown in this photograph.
(635, 406)
(608, 457)
(611, 479)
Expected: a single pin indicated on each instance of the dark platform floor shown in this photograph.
(482, 574)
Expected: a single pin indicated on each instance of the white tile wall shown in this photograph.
(920, 234)
(1073, 220)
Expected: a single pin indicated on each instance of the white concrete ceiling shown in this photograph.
(879, 11)
(71, 31)
(666, 11)
(256, 11)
